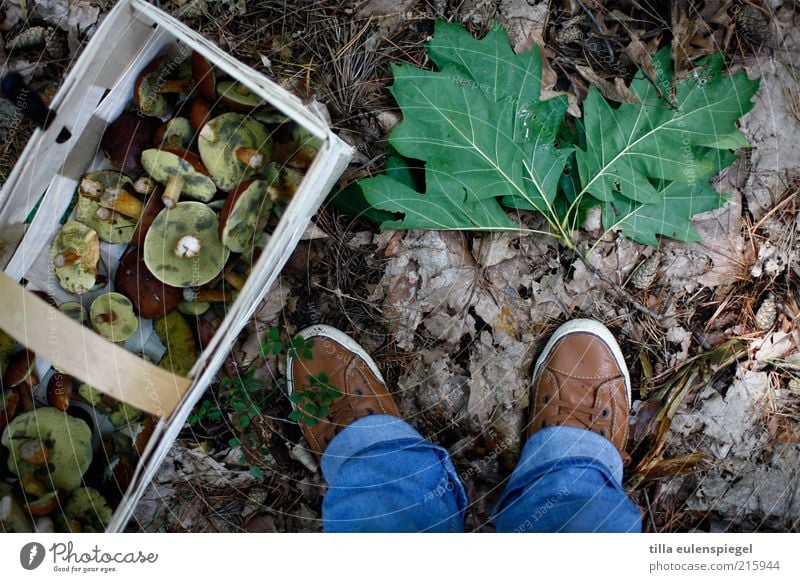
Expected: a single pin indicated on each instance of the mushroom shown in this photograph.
(285, 187)
(59, 391)
(7, 344)
(9, 401)
(75, 310)
(89, 509)
(205, 76)
(75, 253)
(175, 134)
(119, 413)
(246, 212)
(238, 96)
(110, 226)
(182, 247)
(152, 207)
(176, 335)
(193, 307)
(181, 172)
(191, 295)
(151, 298)
(21, 370)
(12, 517)
(199, 112)
(44, 505)
(35, 452)
(112, 317)
(69, 438)
(204, 332)
(142, 436)
(233, 148)
(153, 90)
(303, 148)
(126, 138)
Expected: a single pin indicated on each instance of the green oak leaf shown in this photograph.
(632, 144)
(481, 131)
(670, 215)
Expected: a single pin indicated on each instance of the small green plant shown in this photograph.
(484, 144)
(313, 401)
(242, 396)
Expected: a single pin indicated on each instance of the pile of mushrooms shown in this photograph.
(199, 170)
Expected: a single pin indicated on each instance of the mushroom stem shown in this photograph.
(207, 295)
(106, 317)
(172, 192)
(180, 86)
(104, 213)
(144, 185)
(66, 259)
(234, 279)
(250, 156)
(123, 202)
(91, 188)
(188, 246)
(209, 133)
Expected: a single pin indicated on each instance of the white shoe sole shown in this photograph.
(595, 328)
(326, 331)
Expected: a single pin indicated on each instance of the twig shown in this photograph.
(616, 287)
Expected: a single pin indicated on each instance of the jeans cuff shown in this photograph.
(362, 434)
(550, 445)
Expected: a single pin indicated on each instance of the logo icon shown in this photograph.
(31, 555)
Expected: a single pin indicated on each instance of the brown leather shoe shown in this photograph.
(581, 380)
(333, 382)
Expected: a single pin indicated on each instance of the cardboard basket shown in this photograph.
(44, 181)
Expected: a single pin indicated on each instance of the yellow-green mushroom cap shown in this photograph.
(246, 212)
(75, 253)
(74, 310)
(234, 147)
(183, 248)
(237, 96)
(69, 438)
(112, 316)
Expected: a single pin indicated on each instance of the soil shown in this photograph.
(455, 320)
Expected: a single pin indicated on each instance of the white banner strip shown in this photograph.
(389, 557)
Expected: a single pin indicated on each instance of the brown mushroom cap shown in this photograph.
(20, 369)
(204, 76)
(59, 391)
(150, 297)
(199, 112)
(152, 207)
(126, 138)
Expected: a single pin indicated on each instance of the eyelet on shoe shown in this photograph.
(370, 411)
(604, 414)
(358, 392)
(544, 424)
(602, 432)
(545, 399)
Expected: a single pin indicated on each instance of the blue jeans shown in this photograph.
(384, 477)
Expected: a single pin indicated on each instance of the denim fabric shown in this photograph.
(384, 477)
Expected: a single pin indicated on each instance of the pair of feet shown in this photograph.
(579, 380)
